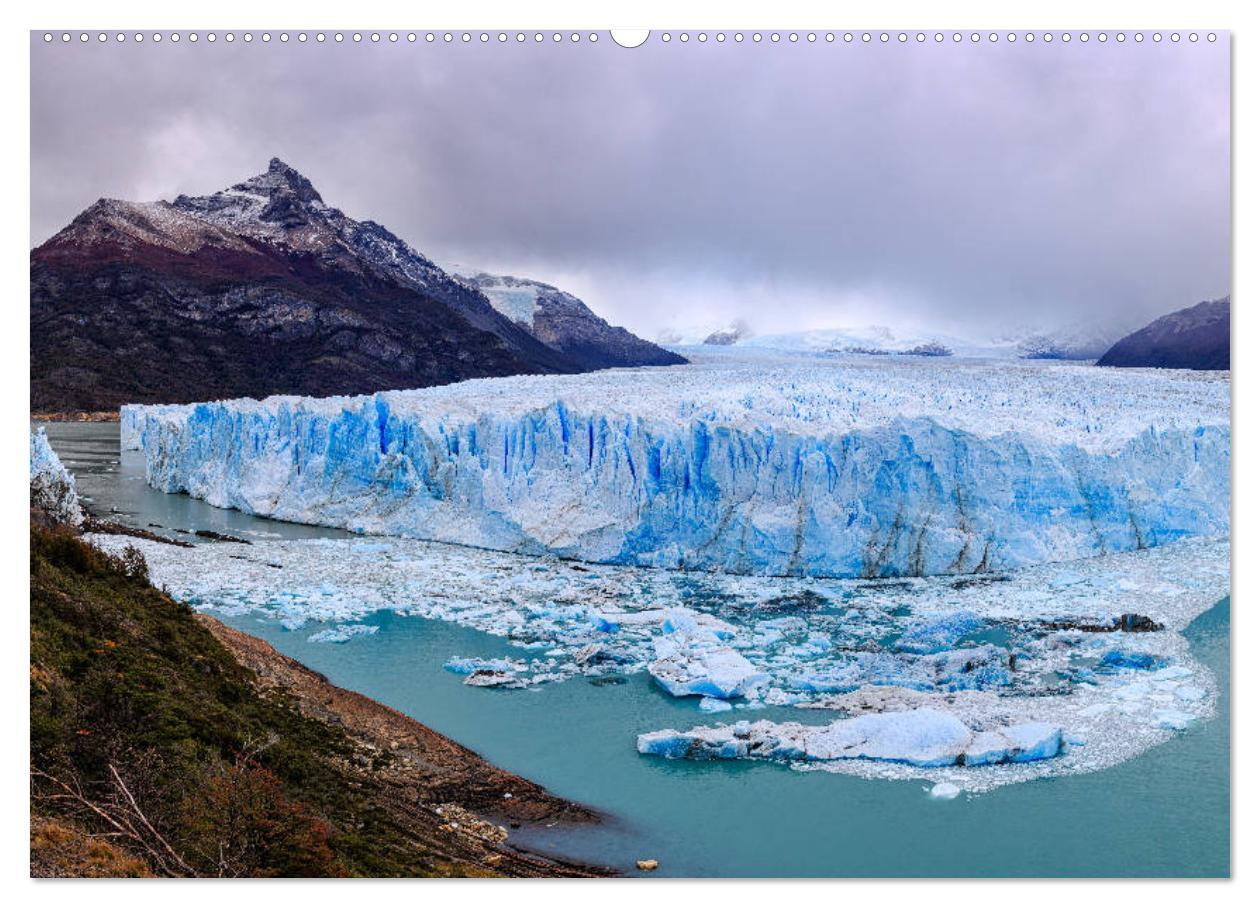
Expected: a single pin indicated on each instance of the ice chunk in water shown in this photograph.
(939, 631)
(920, 737)
(691, 660)
(342, 633)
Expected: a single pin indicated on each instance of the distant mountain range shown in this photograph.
(1192, 338)
(1084, 342)
(879, 340)
(262, 289)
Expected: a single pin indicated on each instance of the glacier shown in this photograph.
(53, 488)
(747, 463)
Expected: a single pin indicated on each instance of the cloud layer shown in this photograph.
(953, 186)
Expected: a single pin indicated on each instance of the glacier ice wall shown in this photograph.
(52, 486)
(663, 479)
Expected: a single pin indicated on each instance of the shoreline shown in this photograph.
(421, 765)
(75, 416)
(441, 806)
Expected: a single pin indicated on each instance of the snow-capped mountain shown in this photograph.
(259, 289)
(565, 323)
(1070, 343)
(1192, 338)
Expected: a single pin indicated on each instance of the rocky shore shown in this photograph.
(76, 416)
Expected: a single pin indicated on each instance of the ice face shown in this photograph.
(787, 466)
(52, 486)
(130, 421)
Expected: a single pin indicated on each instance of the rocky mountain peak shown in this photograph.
(273, 203)
(283, 179)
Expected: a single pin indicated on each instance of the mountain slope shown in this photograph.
(566, 324)
(258, 289)
(1192, 338)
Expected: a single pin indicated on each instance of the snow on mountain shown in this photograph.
(705, 334)
(280, 206)
(733, 333)
(789, 465)
(1072, 342)
(515, 297)
(565, 323)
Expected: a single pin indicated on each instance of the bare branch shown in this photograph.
(149, 826)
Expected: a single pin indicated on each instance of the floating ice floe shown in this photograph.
(921, 737)
(692, 660)
(342, 633)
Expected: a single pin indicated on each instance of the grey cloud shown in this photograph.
(793, 185)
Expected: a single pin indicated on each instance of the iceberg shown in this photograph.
(469, 666)
(691, 660)
(342, 633)
(939, 631)
(775, 466)
(921, 737)
(1021, 743)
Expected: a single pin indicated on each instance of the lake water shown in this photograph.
(1165, 813)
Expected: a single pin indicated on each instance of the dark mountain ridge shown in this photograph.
(258, 289)
(1193, 338)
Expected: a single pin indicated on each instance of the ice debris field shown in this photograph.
(973, 681)
(760, 464)
(973, 573)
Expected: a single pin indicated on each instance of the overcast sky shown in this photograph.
(955, 187)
